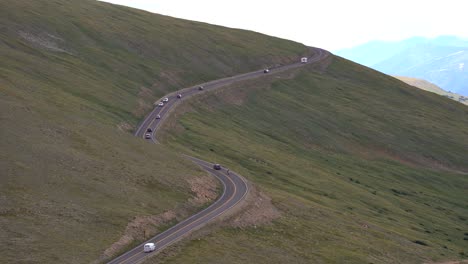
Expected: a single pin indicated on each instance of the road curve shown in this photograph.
(235, 186)
(235, 189)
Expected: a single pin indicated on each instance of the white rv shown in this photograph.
(304, 60)
(148, 247)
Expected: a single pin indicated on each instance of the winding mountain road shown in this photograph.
(235, 187)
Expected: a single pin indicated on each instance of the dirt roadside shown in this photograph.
(205, 190)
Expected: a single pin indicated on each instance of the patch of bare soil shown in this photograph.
(255, 210)
(205, 190)
(140, 228)
(236, 96)
(45, 40)
(143, 227)
(125, 127)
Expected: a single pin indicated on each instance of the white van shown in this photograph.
(304, 59)
(149, 247)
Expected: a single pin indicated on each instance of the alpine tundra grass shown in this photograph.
(364, 168)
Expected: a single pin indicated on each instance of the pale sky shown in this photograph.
(328, 24)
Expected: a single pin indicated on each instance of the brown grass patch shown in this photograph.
(256, 209)
(125, 127)
(144, 227)
(205, 190)
(45, 40)
(140, 228)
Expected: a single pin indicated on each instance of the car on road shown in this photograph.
(179, 96)
(216, 166)
(161, 104)
(200, 87)
(148, 247)
(266, 70)
(149, 129)
(148, 136)
(158, 117)
(304, 60)
(165, 100)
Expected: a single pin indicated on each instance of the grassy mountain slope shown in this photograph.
(427, 86)
(364, 168)
(75, 78)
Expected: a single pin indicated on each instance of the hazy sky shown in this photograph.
(329, 24)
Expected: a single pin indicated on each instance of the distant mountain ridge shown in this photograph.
(430, 87)
(442, 60)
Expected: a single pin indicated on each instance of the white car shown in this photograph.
(148, 136)
(165, 100)
(179, 96)
(158, 117)
(266, 70)
(161, 104)
(148, 247)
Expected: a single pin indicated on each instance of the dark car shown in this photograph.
(200, 87)
(179, 96)
(266, 70)
(149, 129)
(217, 167)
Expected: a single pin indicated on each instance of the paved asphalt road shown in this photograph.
(235, 187)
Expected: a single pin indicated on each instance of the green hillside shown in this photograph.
(363, 168)
(75, 79)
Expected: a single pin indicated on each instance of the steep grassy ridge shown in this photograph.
(75, 78)
(364, 168)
